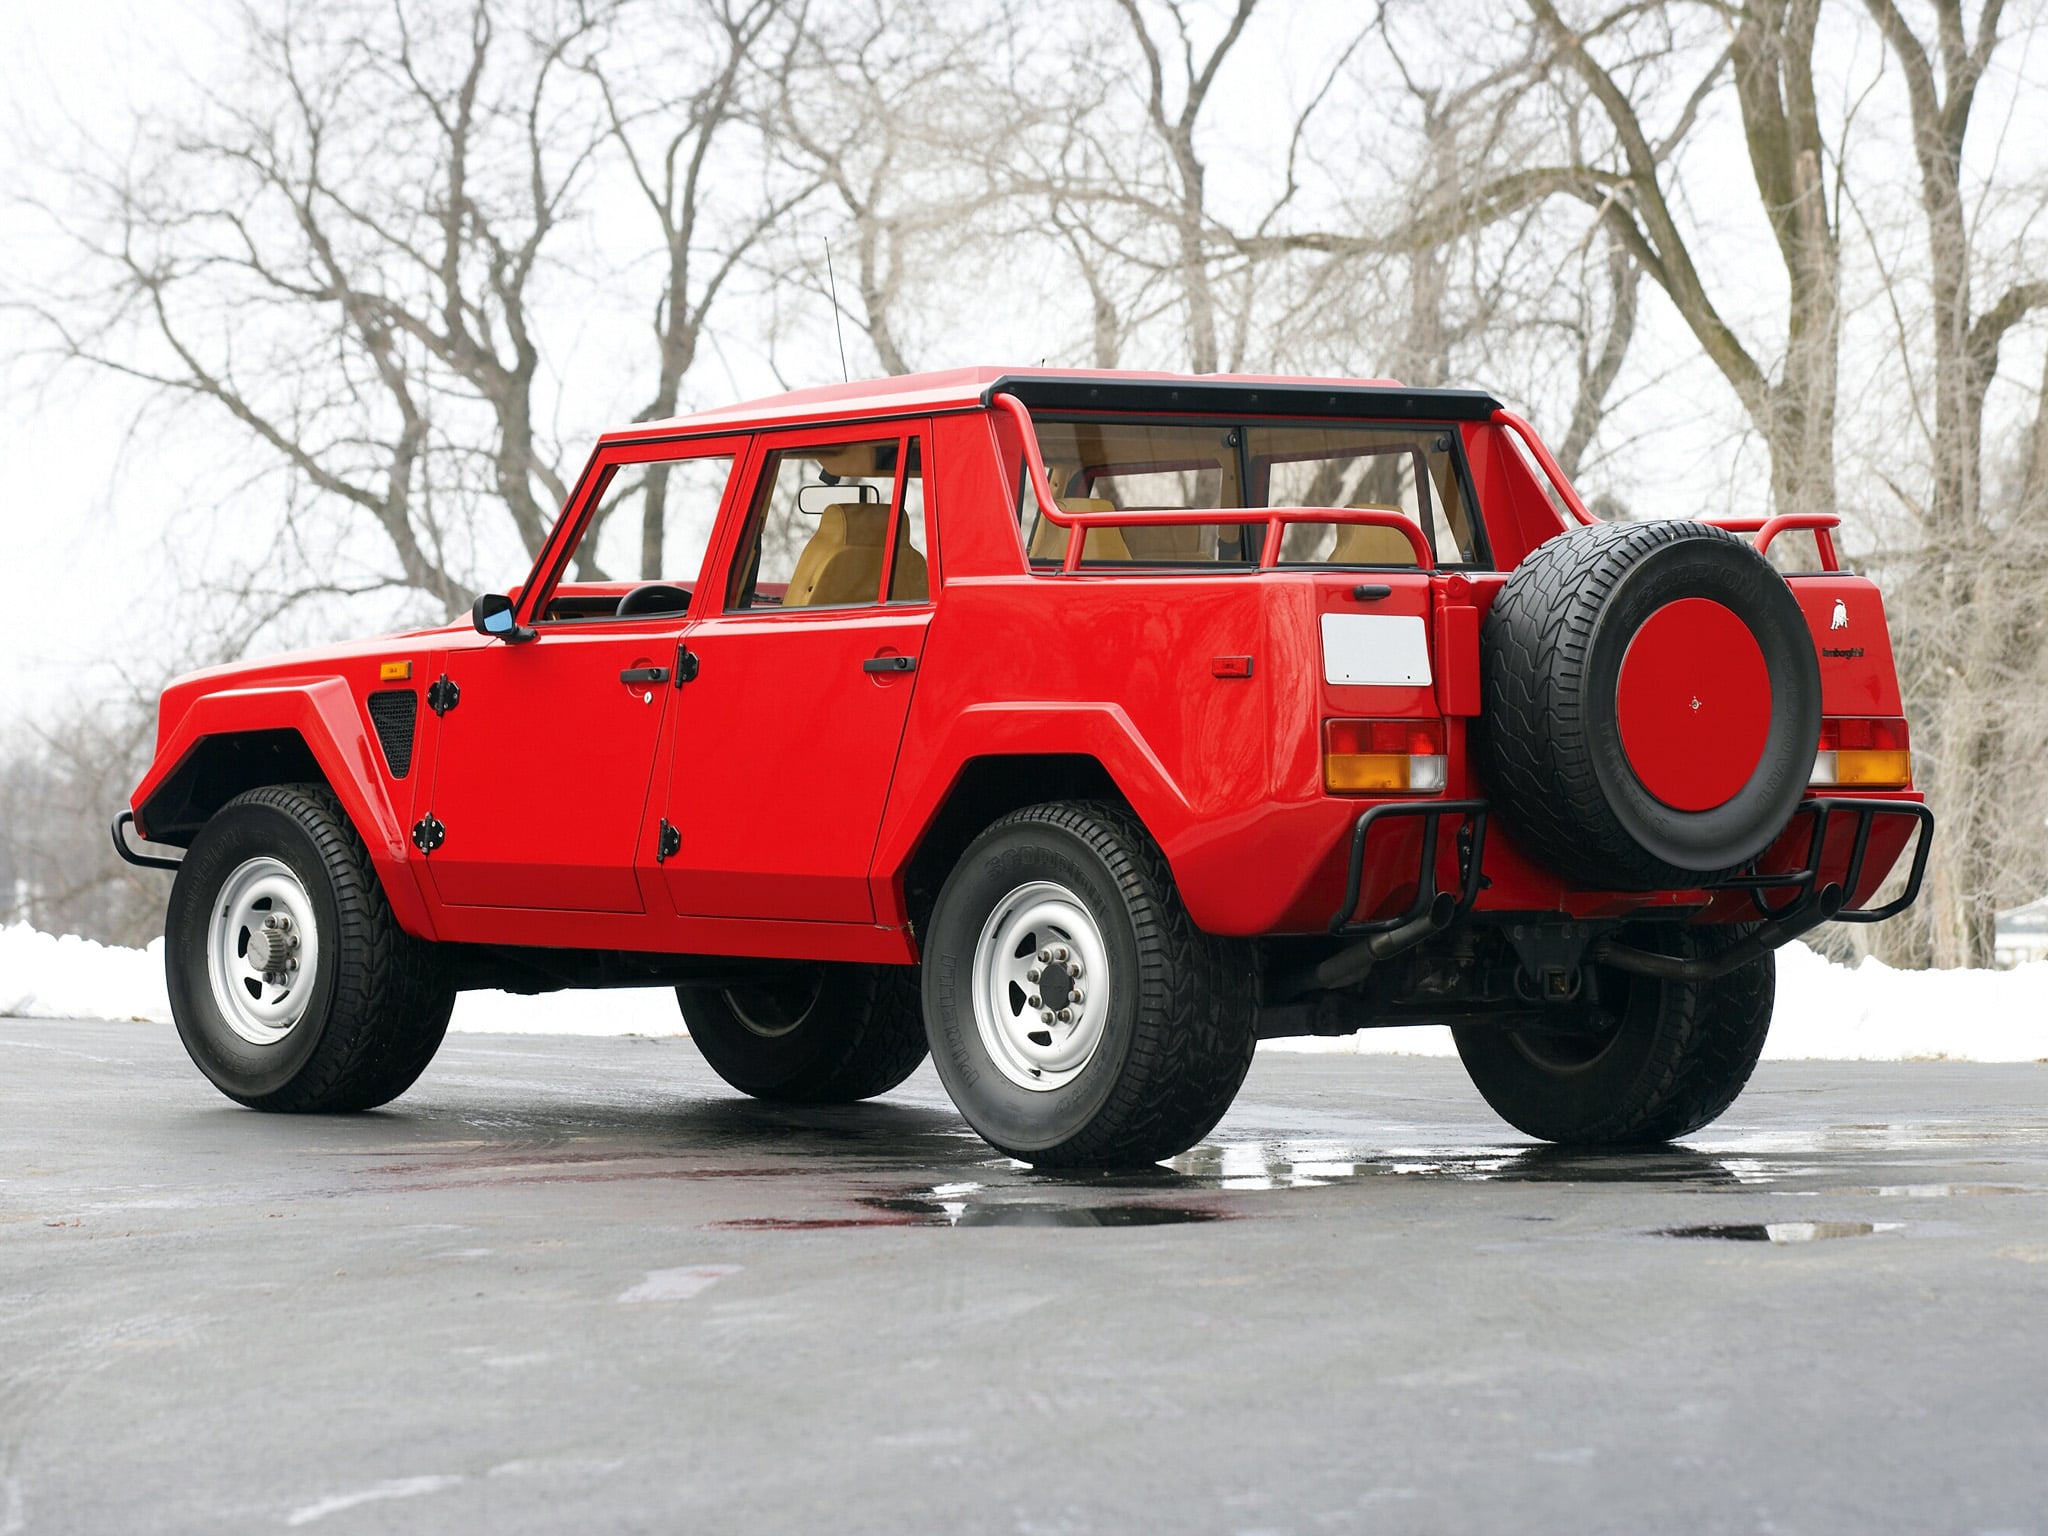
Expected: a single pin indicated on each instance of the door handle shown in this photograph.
(889, 664)
(644, 675)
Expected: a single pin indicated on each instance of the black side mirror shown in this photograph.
(492, 615)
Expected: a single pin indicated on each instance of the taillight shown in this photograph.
(1863, 754)
(1384, 757)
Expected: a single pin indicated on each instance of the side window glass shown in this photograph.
(819, 527)
(910, 573)
(654, 521)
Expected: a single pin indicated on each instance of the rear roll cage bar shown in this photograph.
(1820, 524)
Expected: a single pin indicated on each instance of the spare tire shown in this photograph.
(1651, 704)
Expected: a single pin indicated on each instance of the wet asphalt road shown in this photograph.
(575, 1285)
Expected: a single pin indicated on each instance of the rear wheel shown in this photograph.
(1077, 1015)
(1654, 1061)
(293, 987)
(813, 1034)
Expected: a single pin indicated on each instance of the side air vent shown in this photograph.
(393, 712)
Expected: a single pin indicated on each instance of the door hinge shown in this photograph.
(444, 695)
(428, 833)
(686, 665)
(669, 842)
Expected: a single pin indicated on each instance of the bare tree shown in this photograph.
(1969, 614)
(338, 254)
(668, 117)
(1770, 53)
(886, 110)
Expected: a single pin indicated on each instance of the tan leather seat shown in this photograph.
(842, 563)
(1049, 539)
(1360, 544)
(1174, 541)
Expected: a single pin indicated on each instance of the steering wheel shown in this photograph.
(654, 597)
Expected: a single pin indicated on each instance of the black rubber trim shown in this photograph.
(1360, 401)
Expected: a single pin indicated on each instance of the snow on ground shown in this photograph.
(1869, 1013)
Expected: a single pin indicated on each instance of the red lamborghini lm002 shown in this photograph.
(1081, 729)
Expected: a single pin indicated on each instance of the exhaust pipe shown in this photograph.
(1355, 963)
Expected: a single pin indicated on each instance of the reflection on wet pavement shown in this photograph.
(1783, 1231)
(902, 1165)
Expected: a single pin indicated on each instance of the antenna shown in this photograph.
(844, 376)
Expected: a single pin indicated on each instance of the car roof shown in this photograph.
(958, 389)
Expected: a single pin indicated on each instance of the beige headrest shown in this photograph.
(853, 522)
(1360, 544)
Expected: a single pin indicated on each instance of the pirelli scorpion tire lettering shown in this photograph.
(1655, 1060)
(1076, 1014)
(1651, 704)
(813, 1034)
(293, 986)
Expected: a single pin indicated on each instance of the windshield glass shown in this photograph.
(1100, 465)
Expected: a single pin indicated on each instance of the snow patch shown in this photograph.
(43, 976)
(1869, 1012)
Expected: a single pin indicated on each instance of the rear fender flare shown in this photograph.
(1102, 731)
(326, 718)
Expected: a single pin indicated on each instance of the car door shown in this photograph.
(547, 748)
(787, 732)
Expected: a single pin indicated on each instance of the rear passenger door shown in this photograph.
(787, 733)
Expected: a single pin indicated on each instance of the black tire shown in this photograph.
(1549, 745)
(1179, 1022)
(379, 999)
(1674, 1056)
(818, 1034)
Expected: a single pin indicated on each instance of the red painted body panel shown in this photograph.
(802, 785)
(544, 807)
(328, 715)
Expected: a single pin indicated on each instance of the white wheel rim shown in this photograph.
(262, 951)
(1041, 952)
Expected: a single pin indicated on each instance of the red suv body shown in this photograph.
(1328, 697)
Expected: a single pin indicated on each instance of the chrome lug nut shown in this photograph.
(1044, 955)
(1066, 1015)
(1046, 1015)
(1032, 975)
(1075, 997)
(1033, 1002)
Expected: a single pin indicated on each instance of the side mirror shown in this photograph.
(492, 614)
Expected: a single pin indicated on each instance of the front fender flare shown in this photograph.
(325, 716)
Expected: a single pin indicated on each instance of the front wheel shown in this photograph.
(1655, 1060)
(293, 987)
(1077, 1015)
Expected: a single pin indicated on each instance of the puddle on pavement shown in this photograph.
(1932, 1191)
(1305, 1165)
(963, 1205)
(1782, 1231)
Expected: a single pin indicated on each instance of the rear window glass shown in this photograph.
(1107, 465)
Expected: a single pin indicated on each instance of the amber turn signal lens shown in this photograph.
(394, 671)
(1863, 754)
(1869, 770)
(1384, 757)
